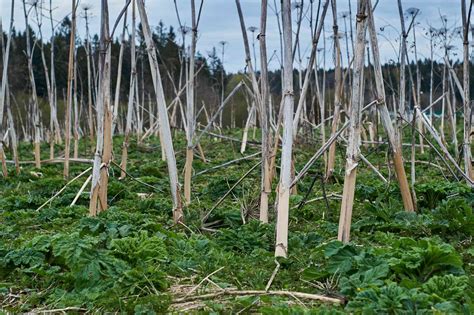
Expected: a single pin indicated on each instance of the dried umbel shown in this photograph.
(339, 36)
(344, 14)
(297, 5)
(252, 29)
(86, 7)
(412, 12)
(34, 3)
(185, 30)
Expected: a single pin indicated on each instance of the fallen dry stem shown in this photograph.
(202, 281)
(233, 292)
(62, 189)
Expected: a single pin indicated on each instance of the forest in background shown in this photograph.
(211, 80)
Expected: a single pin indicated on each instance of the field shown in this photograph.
(132, 258)
(257, 157)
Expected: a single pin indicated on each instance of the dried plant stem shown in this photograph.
(64, 187)
(232, 292)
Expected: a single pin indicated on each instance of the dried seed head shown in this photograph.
(33, 3)
(86, 7)
(184, 29)
(344, 14)
(412, 12)
(458, 30)
(296, 5)
(252, 29)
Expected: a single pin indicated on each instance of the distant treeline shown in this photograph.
(208, 81)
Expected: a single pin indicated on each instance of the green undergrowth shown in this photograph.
(132, 259)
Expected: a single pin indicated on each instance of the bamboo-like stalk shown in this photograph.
(4, 86)
(131, 96)
(312, 108)
(75, 126)
(353, 141)
(89, 78)
(403, 52)
(266, 181)
(443, 105)
(323, 86)
(2, 152)
(233, 292)
(190, 113)
(223, 43)
(162, 115)
(151, 115)
(22, 124)
(452, 114)
(337, 92)
(248, 60)
(276, 140)
(413, 153)
(13, 136)
(431, 31)
(281, 247)
(467, 101)
(312, 58)
(47, 78)
(322, 108)
(280, 34)
(138, 115)
(448, 90)
(454, 77)
(180, 103)
(299, 6)
(54, 105)
(70, 78)
(321, 96)
(119, 73)
(345, 15)
(418, 86)
(371, 118)
(140, 100)
(34, 96)
(251, 114)
(261, 99)
(81, 190)
(103, 153)
(385, 116)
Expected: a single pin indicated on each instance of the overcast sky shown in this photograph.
(219, 22)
